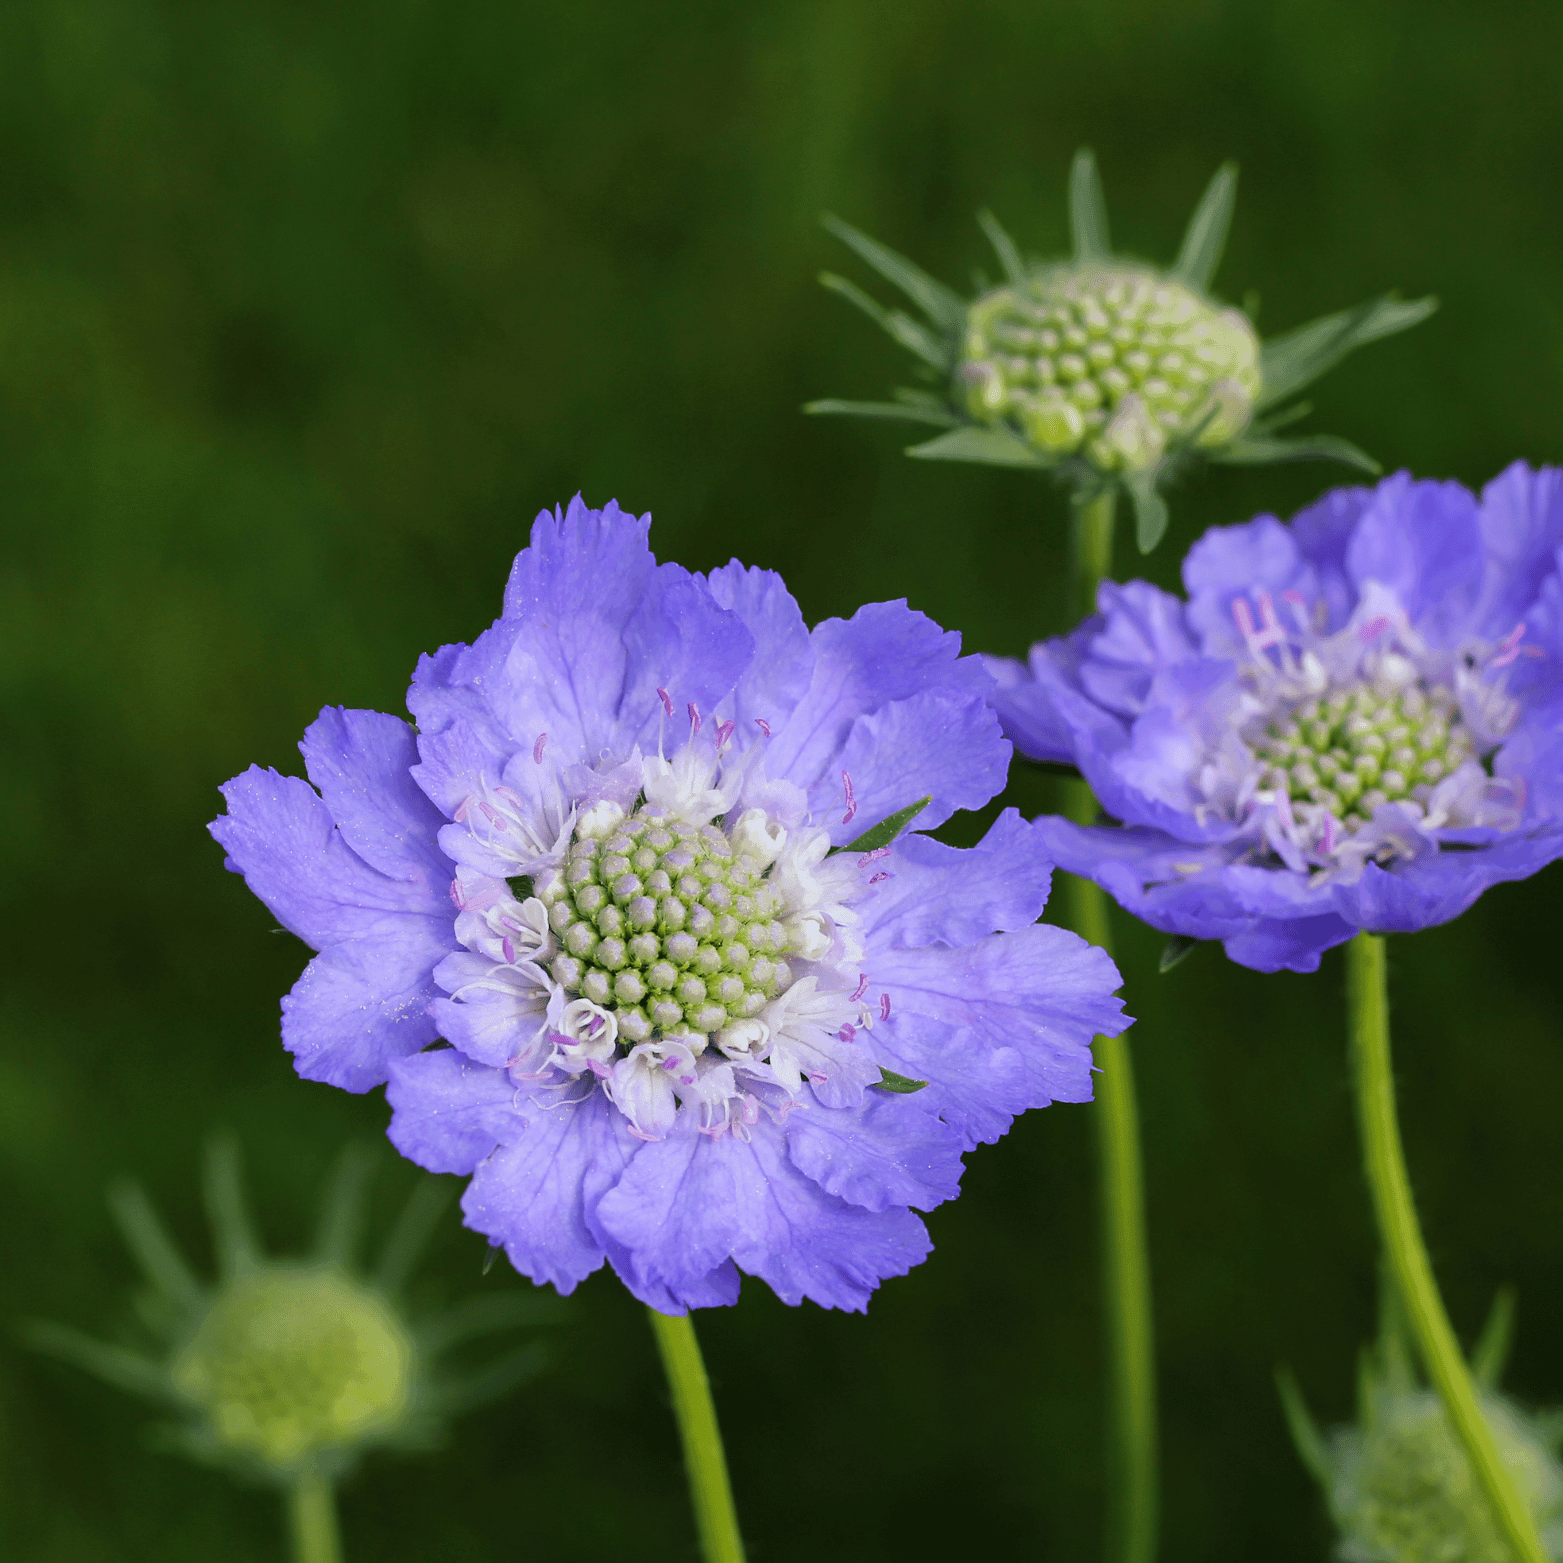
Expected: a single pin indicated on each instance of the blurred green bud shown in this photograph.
(1399, 1484)
(1108, 372)
(287, 1370)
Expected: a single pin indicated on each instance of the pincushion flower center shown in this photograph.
(1357, 747)
(673, 928)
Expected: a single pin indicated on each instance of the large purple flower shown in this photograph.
(606, 869)
(1355, 721)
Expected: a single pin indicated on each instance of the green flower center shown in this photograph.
(671, 926)
(289, 1361)
(1355, 749)
(1113, 362)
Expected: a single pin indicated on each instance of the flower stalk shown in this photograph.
(705, 1463)
(1368, 1018)
(312, 1519)
(1131, 1518)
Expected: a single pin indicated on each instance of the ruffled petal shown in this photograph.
(997, 1027)
(689, 1203)
(884, 652)
(1143, 631)
(945, 747)
(948, 895)
(778, 674)
(281, 837)
(891, 1150)
(362, 763)
(1229, 562)
(363, 1002)
(447, 1113)
(1296, 944)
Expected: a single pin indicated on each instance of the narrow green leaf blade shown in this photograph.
(894, 411)
(113, 1364)
(889, 1080)
(942, 305)
(917, 339)
(1175, 951)
(1088, 209)
(1492, 1349)
(1206, 236)
(1003, 246)
(1258, 450)
(1150, 512)
(155, 1251)
(1311, 1448)
(995, 447)
(882, 834)
(1295, 358)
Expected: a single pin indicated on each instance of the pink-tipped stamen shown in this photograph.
(1509, 646)
(456, 896)
(724, 731)
(877, 879)
(510, 951)
(884, 1006)
(861, 988)
(850, 798)
(848, 1032)
(694, 719)
(538, 747)
(460, 816)
(666, 699)
(1371, 631)
(874, 856)
(763, 725)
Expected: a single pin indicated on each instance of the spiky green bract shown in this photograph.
(1398, 1484)
(1109, 373)
(287, 1370)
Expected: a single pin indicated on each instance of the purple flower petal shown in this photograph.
(448, 1113)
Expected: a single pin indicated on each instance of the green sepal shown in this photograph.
(882, 834)
(1491, 1352)
(1150, 511)
(903, 412)
(1290, 361)
(912, 336)
(1003, 247)
(1206, 236)
(993, 447)
(889, 1080)
(1088, 209)
(941, 305)
(1175, 951)
(1258, 450)
(1309, 1441)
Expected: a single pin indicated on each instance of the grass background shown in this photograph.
(306, 310)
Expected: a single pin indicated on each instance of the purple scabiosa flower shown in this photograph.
(606, 869)
(1354, 720)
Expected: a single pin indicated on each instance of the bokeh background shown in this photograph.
(306, 310)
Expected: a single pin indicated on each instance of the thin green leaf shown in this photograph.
(889, 1080)
(447, 1396)
(1150, 511)
(943, 306)
(1206, 236)
(1088, 209)
(232, 1232)
(894, 411)
(1311, 1448)
(155, 1251)
(915, 338)
(925, 399)
(410, 1234)
(113, 1364)
(1294, 359)
(1003, 246)
(342, 1209)
(1492, 1349)
(483, 1313)
(1279, 420)
(1175, 951)
(994, 447)
(1258, 450)
(882, 834)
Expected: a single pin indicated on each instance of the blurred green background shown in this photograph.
(306, 310)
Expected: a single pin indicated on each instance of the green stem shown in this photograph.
(1131, 1527)
(312, 1520)
(1367, 1007)
(705, 1464)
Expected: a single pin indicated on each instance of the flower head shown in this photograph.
(1354, 720)
(1111, 372)
(1399, 1485)
(294, 1367)
(697, 1020)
